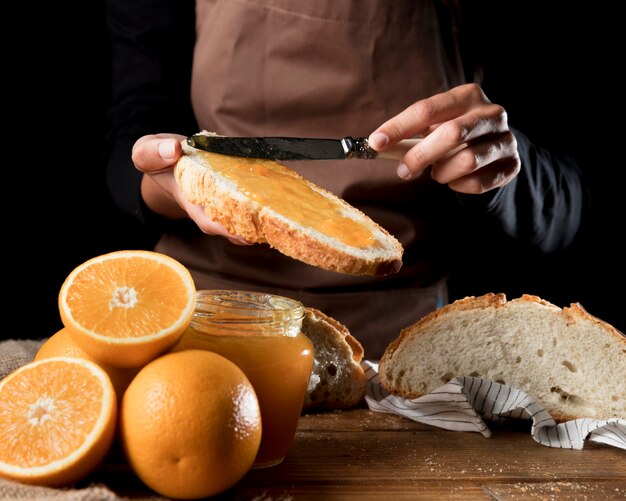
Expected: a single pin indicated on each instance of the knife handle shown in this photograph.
(398, 150)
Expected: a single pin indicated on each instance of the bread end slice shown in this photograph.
(337, 380)
(236, 209)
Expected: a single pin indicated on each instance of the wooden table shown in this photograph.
(364, 455)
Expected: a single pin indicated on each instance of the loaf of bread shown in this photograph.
(264, 201)
(571, 362)
(337, 380)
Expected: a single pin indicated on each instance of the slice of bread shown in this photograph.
(264, 201)
(572, 363)
(337, 380)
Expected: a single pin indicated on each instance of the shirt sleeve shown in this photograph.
(151, 43)
(542, 206)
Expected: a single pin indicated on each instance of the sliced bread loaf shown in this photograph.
(267, 202)
(571, 362)
(337, 380)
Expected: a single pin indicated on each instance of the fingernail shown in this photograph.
(403, 171)
(166, 150)
(378, 140)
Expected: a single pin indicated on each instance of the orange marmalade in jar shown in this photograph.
(261, 334)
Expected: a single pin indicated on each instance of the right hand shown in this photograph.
(155, 155)
(466, 140)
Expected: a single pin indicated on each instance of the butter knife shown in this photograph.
(298, 148)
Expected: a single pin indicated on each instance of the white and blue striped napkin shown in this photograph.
(465, 403)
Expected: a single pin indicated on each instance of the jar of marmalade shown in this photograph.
(261, 334)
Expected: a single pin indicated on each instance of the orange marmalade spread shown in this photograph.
(277, 187)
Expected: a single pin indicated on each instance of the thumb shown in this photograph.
(155, 152)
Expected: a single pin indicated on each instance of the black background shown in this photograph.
(553, 67)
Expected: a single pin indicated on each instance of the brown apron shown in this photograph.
(323, 68)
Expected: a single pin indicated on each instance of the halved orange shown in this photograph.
(125, 308)
(57, 421)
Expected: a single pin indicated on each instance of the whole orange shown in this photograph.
(190, 424)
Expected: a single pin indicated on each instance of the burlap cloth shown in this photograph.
(15, 353)
(111, 482)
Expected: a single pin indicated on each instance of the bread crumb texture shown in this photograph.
(571, 362)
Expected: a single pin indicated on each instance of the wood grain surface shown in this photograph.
(360, 454)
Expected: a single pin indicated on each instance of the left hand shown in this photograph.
(155, 156)
(466, 140)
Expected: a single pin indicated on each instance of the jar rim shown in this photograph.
(221, 306)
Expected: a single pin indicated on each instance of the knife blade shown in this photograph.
(298, 148)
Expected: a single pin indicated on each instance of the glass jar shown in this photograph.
(261, 334)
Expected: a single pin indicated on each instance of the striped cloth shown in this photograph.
(465, 403)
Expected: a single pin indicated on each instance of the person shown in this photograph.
(377, 69)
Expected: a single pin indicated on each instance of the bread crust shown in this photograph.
(574, 314)
(242, 216)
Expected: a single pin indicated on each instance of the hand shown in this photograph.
(155, 156)
(466, 140)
